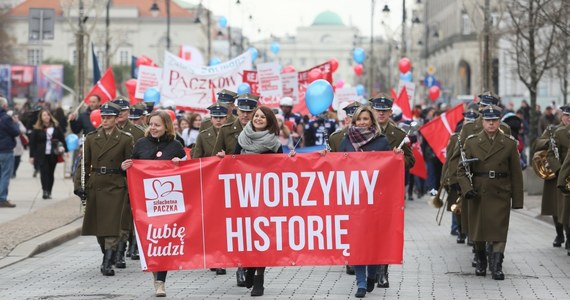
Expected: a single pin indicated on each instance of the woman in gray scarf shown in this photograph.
(259, 136)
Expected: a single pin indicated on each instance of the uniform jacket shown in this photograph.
(336, 138)
(227, 137)
(106, 193)
(488, 215)
(135, 131)
(395, 135)
(205, 143)
(551, 195)
(208, 122)
(449, 172)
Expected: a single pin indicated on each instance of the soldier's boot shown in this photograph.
(349, 270)
(489, 253)
(249, 277)
(107, 266)
(559, 239)
(135, 255)
(383, 277)
(120, 259)
(498, 266)
(258, 288)
(220, 271)
(474, 261)
(460, 238)
(240, 277)
(481, 268)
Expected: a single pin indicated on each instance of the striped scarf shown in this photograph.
(360, 136)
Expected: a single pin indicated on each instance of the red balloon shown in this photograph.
(171, 113)
(334, 64)
(405, 65)
(315, 74)
(288, 69)
(144, 61)
(434, 93)
(131, 86)
(358, 69)
(95, 118)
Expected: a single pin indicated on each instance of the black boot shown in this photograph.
(135, 255)
(249, 275)
(257, 286)
(107, 266)
(559, 239)
(461, 238)
(481, 268)
(498, 266)
(489, 253)
(129, 248)
(220, 271)
(383, 277)
(120, 258)
(349, 270)
(474, 261)
(240, 277)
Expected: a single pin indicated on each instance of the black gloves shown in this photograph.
(564, 189)
(470, 195)
(81, 194)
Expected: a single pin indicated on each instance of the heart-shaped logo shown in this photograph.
(162, 189)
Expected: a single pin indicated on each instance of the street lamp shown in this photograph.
(154, 10)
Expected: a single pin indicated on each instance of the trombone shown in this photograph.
(439, 201)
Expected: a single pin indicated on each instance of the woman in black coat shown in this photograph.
(47, 142)
(159, 143)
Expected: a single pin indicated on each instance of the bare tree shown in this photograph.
(562, 54)
(8, 41)
(533, 25)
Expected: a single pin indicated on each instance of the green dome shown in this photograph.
(328, 18)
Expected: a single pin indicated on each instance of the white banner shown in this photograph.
(290, 82)
(191, 87)
(344, 95)
(147, 77)
(269, 80)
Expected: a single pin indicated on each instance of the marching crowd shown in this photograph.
(482, 174)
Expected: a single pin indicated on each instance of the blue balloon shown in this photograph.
(360, 90)
(223, 22)
(254, 53)
(406, 76)
(358, 55)
(275, 47)
(72, 142)
(319, 96)
(214, 61)
(243, 88)
(152, 95)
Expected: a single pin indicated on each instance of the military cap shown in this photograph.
(565, 109)
(110, 109)
(226, 96)
(218, 110)
(149, 106)
(470, 115)
(137, 110)
(491, 112)
(487, 98)
(122, 102)
(381, 103)
(351, 108)
(247, 102)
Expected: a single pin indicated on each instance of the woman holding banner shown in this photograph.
(259, 136)
(364, 134)
(159, 143)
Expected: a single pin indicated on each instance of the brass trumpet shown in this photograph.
(456, 207)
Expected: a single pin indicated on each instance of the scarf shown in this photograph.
(253, 142)
(360, 136)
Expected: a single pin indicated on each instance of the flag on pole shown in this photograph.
(96, 70)
(403, 102)
(104, 88)
(437, 131)
(419, 169)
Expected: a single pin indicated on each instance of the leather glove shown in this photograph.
(471, 195)
(81, 194)
(563, 189)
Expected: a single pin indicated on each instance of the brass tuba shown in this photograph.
(541, 166)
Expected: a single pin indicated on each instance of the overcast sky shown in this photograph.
(281, 17)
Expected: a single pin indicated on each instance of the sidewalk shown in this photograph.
(36, 225)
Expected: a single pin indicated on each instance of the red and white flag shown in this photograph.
(437, 131)
(104, 88)
(403, 102)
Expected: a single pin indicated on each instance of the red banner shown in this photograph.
(306, 210)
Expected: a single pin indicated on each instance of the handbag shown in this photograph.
(57, 147)
(24, 139)
(60, 158)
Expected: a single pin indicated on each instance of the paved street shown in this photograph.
(435, 267)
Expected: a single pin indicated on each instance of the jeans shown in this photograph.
(360, 272)
(454, 223)
(6, 170)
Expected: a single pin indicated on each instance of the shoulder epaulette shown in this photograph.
(126, 133)
(204, 130)
(336, 132)
(400, 129)
(227, 124)
(139, 127)
(471, 136)
(92, 132)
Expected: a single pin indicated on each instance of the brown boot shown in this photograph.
(258, 288)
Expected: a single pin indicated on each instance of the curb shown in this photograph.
(42, 243)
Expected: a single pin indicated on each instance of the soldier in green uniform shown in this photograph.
(336, 137)
(562, 139)
(227, 139)
(492, 185)
(105, 189)
(137, 115)
(136, 132)
(227, 98)
(485, 99)
(395, 135)
(207, 138)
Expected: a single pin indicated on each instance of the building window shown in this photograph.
(465, 24)
(124, 57)
(34, 56)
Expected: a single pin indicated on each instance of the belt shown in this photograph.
(491, 174)
(105, 170)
